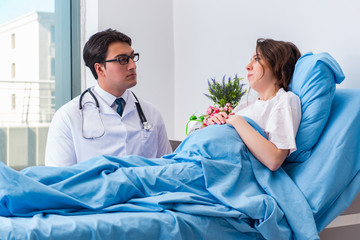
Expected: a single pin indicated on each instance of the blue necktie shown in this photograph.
(120, 108)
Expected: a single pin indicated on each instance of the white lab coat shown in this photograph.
(123, 135)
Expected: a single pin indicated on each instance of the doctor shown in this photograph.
(96, 123)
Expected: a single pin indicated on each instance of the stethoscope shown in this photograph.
(145, 123)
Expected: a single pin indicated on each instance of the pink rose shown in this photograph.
(209, 110)
(205, 122)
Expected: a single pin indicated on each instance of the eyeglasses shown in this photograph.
(124, 59)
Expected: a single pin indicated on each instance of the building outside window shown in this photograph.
(13, 101)
(13, 40)
(13, 71)
(52, 68)
(52, 34)
(27, 87)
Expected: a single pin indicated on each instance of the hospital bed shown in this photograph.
(323, 174)
(346, 226)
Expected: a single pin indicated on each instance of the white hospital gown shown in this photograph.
(279, 117)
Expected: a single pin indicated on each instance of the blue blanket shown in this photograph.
(211, 173)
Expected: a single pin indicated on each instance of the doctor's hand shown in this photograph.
(218, 118)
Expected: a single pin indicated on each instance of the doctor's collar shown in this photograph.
(108, 97)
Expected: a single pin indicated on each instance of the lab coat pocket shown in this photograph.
(146, 134)
(150, 136)
(149, 142)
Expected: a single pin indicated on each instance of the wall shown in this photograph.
(213, 38)
(184, 43)
(150, 25)
(89, 26)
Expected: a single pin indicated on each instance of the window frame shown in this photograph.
(67, 51)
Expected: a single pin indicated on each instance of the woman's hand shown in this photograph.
(232, 119)
(218, 118)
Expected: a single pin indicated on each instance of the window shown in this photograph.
(13, 70)
(13, 40)
(52, 67)
(31, 89)
(13, 101)
(52, 34)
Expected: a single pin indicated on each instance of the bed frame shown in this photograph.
(346, 226)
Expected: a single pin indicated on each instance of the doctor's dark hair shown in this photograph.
(96, 47)
(280, 56)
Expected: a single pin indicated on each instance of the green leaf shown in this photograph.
(229, 91)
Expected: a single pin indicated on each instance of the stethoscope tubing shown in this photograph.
(140, 111)
(93, 96)
(142, 117)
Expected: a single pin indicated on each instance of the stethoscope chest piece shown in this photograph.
(146, 126)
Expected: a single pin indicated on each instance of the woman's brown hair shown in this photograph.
(280, 56)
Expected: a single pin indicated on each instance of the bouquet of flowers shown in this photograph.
(213, 110)
(225, 95)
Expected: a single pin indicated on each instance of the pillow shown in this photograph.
(314, 80)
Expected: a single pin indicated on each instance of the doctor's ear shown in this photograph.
(99, 68)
